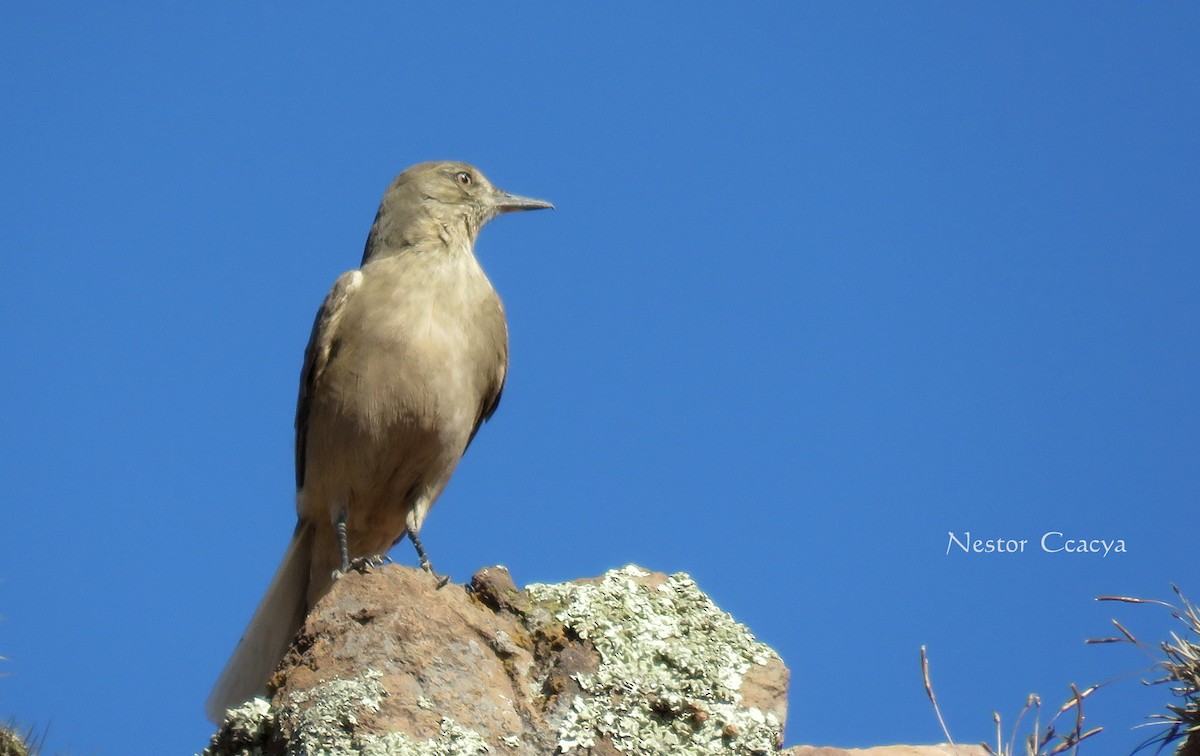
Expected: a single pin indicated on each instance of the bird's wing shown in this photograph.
(322, 345)
(496, 325)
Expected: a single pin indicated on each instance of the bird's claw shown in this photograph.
(442, 580)
(362, 564)
(367, 563)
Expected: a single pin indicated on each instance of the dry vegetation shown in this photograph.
(1177, 663)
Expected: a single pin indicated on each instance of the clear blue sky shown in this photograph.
(826, 282)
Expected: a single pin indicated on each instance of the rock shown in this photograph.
(629, 662)
(945, 749)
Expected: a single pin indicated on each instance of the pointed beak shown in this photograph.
(508, 203)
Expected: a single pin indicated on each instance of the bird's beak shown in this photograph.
(508, 203)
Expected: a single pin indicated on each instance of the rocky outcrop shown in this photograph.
(630, 662)
(944, 749)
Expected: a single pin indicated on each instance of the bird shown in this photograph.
(406, 360)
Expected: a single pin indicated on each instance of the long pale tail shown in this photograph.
(274, 624)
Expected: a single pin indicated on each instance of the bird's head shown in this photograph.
(445, 198)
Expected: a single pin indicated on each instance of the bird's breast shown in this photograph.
(419, 346)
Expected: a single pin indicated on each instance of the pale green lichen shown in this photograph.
(329, 724)
(326, 717)
(246, 731)
(326, 720)
(453, 740)
(671, 669)
(511, 741)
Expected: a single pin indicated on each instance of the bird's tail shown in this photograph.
(274, 624)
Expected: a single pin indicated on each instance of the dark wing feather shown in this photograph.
(498, 328)
(322, 346)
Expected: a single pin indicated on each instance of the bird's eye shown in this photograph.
(463, 178)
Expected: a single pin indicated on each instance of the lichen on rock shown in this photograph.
(327, 719)
(246, 731)
(392, 663)
(671, 668)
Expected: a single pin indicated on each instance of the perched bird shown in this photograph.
(406, 360)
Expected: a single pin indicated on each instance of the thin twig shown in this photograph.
(933, 699)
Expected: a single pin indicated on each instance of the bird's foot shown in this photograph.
(362, 565)
(367, 563)
(442, 580)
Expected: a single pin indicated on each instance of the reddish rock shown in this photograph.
(388, 662)
(628, 662)
(943, 749)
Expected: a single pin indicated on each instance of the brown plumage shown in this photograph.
(406, 360)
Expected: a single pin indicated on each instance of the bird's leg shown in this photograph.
(361, 564)
(343, 541)
(421, 554)
(424, 558)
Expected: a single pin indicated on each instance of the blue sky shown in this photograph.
(826, 282)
